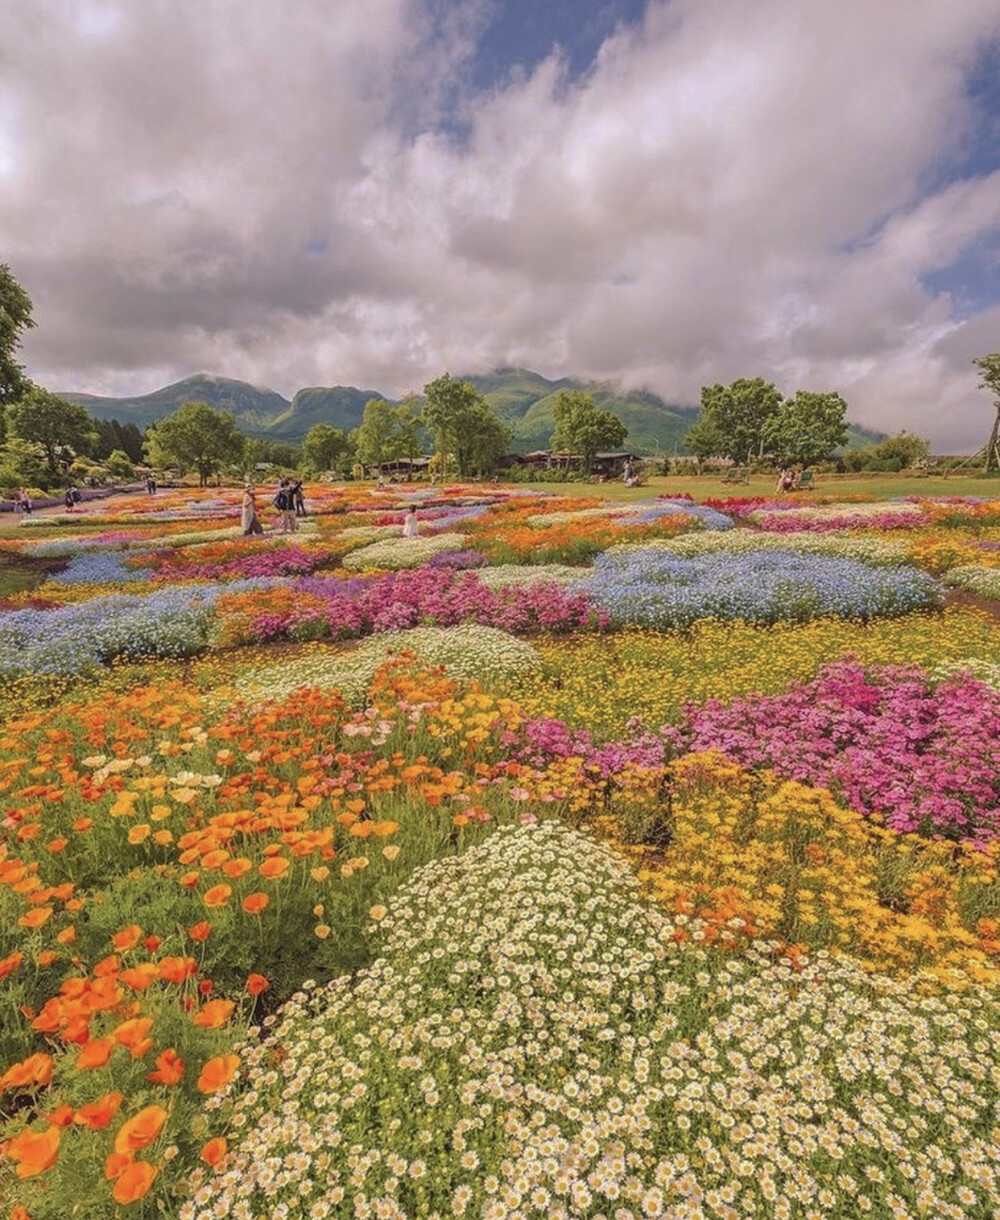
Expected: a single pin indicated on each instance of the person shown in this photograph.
(69, 501)
(627, 473)
(151, 485)
(299, 499)
(25, 503)
(248, 517)
(284, 502)
(786, 478)
(77, 494)
(410, 527)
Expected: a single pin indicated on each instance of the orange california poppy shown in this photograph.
(134, 1182)
(30, 1073)
(253, 904)
(274, 867)
(139, 977)
(33, 1152)
(214, 1014)
(132, 1033)
(217, 896)
(176, 969)
(200, 931)
(98, 1114)
(10, 963)
(61, 1116)
(217, 1073)
(35, 918)
(214, 1150)
(95, 1053)
(127, 938)
(256, 983)
(169, 1068)
(116, 1164)
(141, 1129)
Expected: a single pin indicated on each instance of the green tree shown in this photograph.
(322, 447)
(899, 452)
(15, 318)
(409, 426)
(463, 424)
(807, 427)
(21, 465)
(119, 465)
(703, 438)
(989, 368)
(583, 428)
(62, 429)
(741, 414)
(196, 437)
(377, 434)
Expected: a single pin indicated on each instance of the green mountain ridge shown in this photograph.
(522, 398)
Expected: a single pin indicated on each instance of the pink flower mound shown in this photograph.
(923, 759)
(779, 523)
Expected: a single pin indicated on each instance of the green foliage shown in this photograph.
(989, 368)
(704, 439)
(112, 434)
(195, 437)
(323, 448)
(377, 434)
(807, 427)
(118, 464)
(463, 424)
(741, 414)
(583, 428)
(61, 428)
(21, 466)
(15, 318)
(899, 452)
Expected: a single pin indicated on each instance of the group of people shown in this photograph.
(289, 500)
(788, 478)
(72, 498)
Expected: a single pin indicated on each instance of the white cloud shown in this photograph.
(732, 190)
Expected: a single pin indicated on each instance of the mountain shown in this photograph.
(252, 407)
(523, 399)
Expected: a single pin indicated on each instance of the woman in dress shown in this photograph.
(410, 527)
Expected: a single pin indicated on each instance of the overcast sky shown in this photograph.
(371, 192)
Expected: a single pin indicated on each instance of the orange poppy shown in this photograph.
(67, 935)
(33, 1152)
(61, 1116)
(217, 1073)
(274, 867)
(200, 931)
(215, 1014)
(31, 1073)
(127, 938)
(141, 1129)
(133, 1033)
(214, 1150)
(169, 1068)
(134, 1182)
(35, 918)
(116, 1164)
(256, 983)
(10, 963)
(139, 977)
(177, 969)
(95, 1053)
(98, 1114)
(253, 904)
(236, 868)
(217, 896)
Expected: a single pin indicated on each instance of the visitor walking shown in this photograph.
(248, 518)
(299, 499)
(410, 527)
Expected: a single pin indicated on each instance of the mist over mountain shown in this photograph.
(523, 399)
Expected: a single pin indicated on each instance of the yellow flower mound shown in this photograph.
(600, 682)
(753, 854)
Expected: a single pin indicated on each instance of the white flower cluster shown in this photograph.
(534, 1044)
(393, 554)
(983, 671)
(506, 574)
(484, 654)
(879, 552)
(984, 581)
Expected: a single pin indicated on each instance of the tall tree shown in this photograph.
(377, 434)
(322, 446)
(62, 429)
(463, 424)
(703, 438)
(989, 368)
(584, 428)
(807, 427)
(15, 319)
(196, 437)
(741, 414)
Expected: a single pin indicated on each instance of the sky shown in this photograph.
(663, 194)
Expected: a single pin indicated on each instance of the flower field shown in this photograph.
(571, 860)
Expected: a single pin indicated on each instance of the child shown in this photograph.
(410, 527)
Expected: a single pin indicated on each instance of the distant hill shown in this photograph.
(525, 400)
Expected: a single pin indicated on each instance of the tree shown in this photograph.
(119, 465)
(899, 452)
(377, 433)
(807, 428)
(463, 424)
(61, 428)
(703, 438)
(989, 367)
(583, 428)
(21, 465)
(15, 318)
(741, 413)
(112, 435)
(195, 437)
(322, 446)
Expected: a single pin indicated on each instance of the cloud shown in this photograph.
(323, 197)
